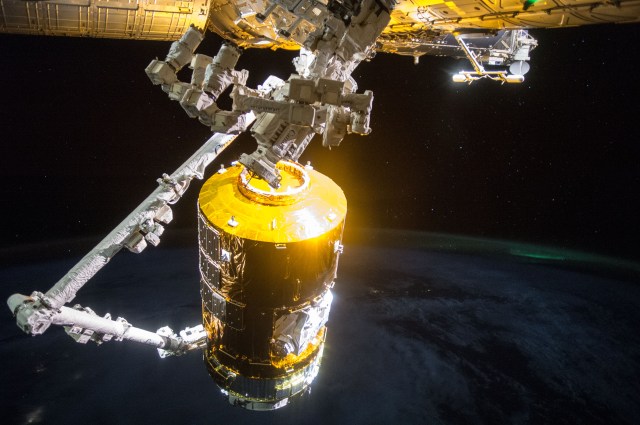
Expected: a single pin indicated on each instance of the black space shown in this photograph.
(551, 161)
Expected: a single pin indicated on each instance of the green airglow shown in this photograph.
(495, 247)
(538, 255)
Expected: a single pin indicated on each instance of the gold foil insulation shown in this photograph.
(268, 258)
(307, 204)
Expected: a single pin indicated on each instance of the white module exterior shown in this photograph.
(131, 19)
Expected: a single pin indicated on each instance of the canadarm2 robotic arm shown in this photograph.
(35, 313)
(320, 99)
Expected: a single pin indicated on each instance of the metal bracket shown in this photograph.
(520, 45)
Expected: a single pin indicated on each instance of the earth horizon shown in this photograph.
(425, 328)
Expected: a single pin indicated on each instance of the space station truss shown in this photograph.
(416, 27)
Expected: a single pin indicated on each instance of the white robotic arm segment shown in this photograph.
(181, 51)
(330, 54)
(209, 79)
(289, 114)
(34, 314)
(180, 54)
(198, 66)
(160, 72)
(220, 73)
(84, 325)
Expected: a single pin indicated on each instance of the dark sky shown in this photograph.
(552, 161)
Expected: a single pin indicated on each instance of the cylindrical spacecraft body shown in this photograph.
(268, 259)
